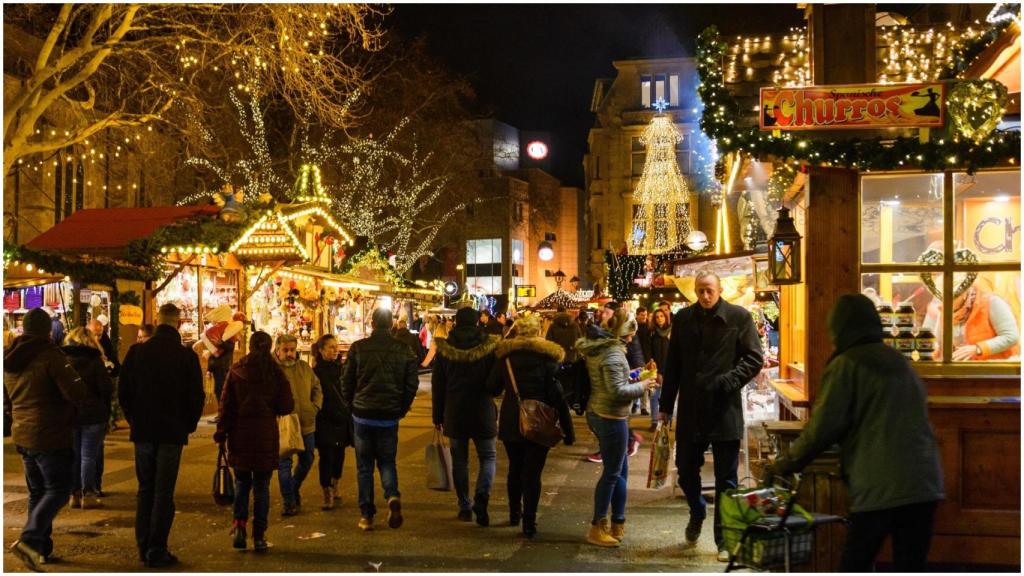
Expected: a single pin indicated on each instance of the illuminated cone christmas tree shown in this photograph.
(661, 218)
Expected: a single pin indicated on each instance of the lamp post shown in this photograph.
(784, 251)
(559, 278)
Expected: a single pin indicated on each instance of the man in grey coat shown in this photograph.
(713, 353)
(873, 405)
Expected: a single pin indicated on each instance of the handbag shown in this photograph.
(661, 455)
(223, 482)
(289, 435)
(439, 463)
(538, 422)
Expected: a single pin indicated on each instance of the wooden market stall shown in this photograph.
(919, 211)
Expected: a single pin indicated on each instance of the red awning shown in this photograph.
(108, 231)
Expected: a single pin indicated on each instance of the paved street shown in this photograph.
(328, 541)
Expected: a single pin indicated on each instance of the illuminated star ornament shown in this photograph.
(660, 105)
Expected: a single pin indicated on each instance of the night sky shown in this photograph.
(534, 66)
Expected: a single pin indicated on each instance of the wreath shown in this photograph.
(932, 257)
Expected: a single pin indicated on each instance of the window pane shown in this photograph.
(495, 250)
(911, 315)
(901, 217)
(638, 163)
(659, 87)
(517, 251)
(637, 145)
(673, 90)
(645, 91)
(988, 215)
(986, 317)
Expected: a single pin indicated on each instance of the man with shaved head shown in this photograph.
(713, 353)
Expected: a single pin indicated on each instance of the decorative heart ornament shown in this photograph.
(936, 257)
(976, 107)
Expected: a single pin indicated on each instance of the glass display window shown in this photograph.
(901, 216)
(960, 307)
(183, 292)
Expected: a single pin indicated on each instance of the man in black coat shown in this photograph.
(713, 353)
(161, 393)
(464, 409)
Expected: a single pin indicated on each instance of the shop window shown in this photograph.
(901, 217)
(483, 265)
(963, 307)
(639, 156)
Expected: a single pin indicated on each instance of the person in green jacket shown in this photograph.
(873, 405)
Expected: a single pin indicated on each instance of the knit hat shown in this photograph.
(467, 317)
(37, 323)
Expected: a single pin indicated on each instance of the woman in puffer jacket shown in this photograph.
(534, 362)
(611, 396)
(86, 357)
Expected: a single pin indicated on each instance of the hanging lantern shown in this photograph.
(784, 251)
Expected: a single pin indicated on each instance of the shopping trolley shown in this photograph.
(764, 528)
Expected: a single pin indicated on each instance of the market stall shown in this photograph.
(919, 211)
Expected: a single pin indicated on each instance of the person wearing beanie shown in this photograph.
(379, 385)
(534, 363)
(464, 409)
(874, 405)
(41, 389)
(714, 351)
(611, 395)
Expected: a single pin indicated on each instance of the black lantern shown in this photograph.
(784, 251)
(559, 278)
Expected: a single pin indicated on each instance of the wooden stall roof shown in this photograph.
(109, 231)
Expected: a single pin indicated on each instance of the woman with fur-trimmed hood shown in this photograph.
(464, 409)
(534, 362)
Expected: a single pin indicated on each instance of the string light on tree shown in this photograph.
(662, 213)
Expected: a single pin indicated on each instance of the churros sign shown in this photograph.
(854, 107)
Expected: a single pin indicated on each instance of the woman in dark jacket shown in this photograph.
(333, 422)
(86, 357)
(660, 333)
(255, 394)
(534, 362)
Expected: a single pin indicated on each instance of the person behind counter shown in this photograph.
(873, 405)
(984, 325)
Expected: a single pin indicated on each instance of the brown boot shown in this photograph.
(328, 499)
(599, 535)
(618, 530)
(76, 499)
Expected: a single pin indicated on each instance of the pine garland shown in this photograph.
(721, 116)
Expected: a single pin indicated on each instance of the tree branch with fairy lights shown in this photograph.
(721, 122)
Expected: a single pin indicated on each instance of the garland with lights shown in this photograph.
(721, 115)
(965, 51)
(624, 269)
(201, 234)
(84, 269)
(375, 259)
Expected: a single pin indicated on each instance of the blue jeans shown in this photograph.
(613, 439)
(156, 467)
(690, 458)
(375, 445)
(655, 404)
(290, 484)
(259, 483)
(487, 454)
(48, 476)
(87, 447)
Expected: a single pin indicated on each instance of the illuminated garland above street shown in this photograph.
(720, 121)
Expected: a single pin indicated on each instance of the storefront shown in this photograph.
(198, 284)
(919, 210)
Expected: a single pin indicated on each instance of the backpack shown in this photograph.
(575, 381)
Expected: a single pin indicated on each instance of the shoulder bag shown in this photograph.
(538, 422)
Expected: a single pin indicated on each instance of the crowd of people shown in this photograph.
(701, 358)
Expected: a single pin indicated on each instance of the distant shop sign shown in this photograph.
(862, 107)
(526, 291)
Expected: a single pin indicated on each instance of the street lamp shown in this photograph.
(559, 278)
(784, 251)
(545, 251)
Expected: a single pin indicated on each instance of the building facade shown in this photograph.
(624, 106)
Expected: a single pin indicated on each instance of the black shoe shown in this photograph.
(240, 537)
(529, 526)
(161, 560)
(142, 555)
(290, 509)
(466, 515)
(259, 542)
(514, 518)
(644, 412)
(28, 555)
(394, 513)
(693, 529)
(480, 509)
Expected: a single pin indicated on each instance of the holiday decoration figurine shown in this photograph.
(230, 203)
